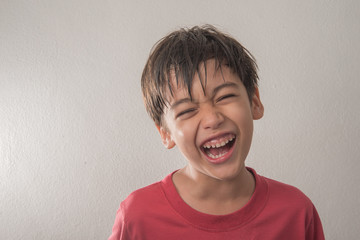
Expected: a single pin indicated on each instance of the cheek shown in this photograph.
(246, 128)
(185, 138)
(179, 133)
(243, 120)
(184, 132)
(242, 115)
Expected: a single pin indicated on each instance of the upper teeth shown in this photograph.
(222, 143)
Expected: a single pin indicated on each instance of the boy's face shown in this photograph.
(213, 130)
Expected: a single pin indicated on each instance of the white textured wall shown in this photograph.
(75, 139)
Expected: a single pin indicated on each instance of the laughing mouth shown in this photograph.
(217, 148)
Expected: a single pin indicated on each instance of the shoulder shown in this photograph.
(283, 196)
(140, 197)
(291, 204)
(285, 191)
(145, 203)
(289, 207)
(278, 192)
(132, 209)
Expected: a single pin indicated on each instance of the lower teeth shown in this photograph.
(216, 156)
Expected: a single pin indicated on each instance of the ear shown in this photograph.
(257, 108)
(165, 137)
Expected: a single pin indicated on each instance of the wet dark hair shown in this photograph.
(181, 53)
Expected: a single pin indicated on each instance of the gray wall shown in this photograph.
(75, 139)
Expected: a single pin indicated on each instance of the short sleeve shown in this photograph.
(314, 230)
(119, 228)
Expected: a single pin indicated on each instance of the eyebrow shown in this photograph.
(225, 85)
(217, 89)
(181, 101)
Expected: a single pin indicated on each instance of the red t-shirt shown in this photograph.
(275, 211)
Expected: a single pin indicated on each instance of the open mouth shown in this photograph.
(217, 148)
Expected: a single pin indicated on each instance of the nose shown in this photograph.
(211, 118)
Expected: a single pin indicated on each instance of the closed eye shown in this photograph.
(190, 110)
(225, 97)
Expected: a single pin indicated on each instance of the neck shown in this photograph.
(211, 195)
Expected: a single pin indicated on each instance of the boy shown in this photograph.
(200, 88)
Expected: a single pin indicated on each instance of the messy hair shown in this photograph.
(182, 53)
